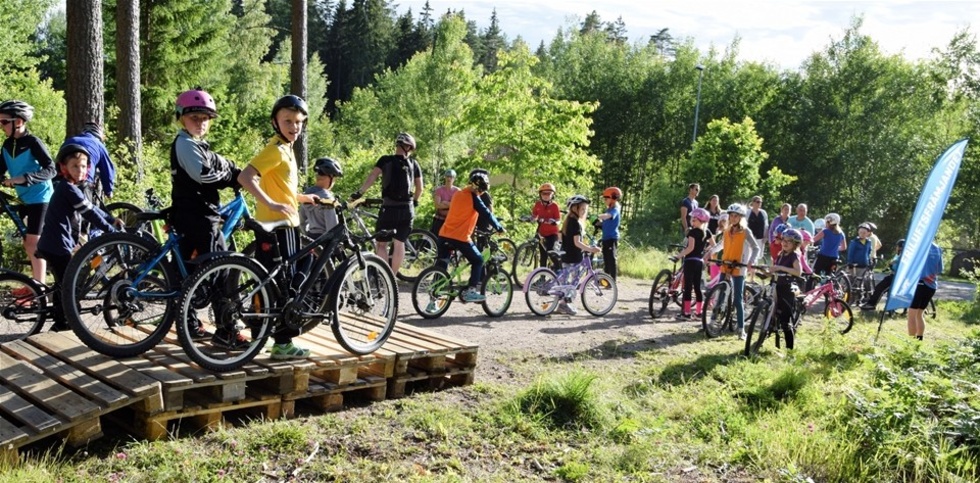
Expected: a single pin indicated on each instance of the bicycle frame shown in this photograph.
(580, 270)
(487, 255)
(232, 213)
(825, 290)
(8, 203)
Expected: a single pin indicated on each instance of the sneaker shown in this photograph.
(683, 316)
(199, 332)
(288, 351)
(867, 307)
(431, 307)
(567, 309)
(227, 339)
(471, 295)
(742, 335)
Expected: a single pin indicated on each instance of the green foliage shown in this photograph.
(920, 413)
(20, 19)
(726, 160)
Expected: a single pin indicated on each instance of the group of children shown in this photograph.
(733, 242)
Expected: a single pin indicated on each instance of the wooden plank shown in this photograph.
(410, 329)
(105, 368)
(79, 381)
(10, 434)
(31, 383)
(37, 420)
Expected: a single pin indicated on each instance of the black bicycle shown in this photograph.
(357, 296)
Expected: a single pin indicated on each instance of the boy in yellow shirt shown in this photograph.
(272, 178)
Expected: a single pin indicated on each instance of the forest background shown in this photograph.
(852, 131)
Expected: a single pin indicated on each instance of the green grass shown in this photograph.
(839, 408)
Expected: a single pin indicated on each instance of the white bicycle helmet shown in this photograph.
(832, 219)
(738, 209)
(576, 200)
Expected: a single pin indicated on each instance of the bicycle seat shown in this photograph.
(265, 226)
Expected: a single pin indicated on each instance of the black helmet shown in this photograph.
(480, 180)
(68, 150)
(479, 170)
(16, 108)
(328, 167)
(290, 102)
(900, 244)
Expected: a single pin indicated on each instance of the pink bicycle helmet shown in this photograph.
(196, 100)
(701, 215)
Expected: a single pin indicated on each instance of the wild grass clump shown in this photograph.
(563, 402)
(918, 416)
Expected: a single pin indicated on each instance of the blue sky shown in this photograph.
(784, 32)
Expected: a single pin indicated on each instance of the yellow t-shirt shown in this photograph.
(279, 179)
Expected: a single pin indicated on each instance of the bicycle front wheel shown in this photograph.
(23, 308)
(599, 293)
(420, 253)
(116, 300)
(716, 308)
(838, 313)
(757, 329)
(364, 302)
(540, 293)
(126, 212)
(432, 293)
(659, 293)
(234, 295)
(498, 288)
(842, 286)
(525, 261)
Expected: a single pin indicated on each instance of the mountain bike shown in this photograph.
(121, 289)
(357, 297)
(762, 322)
(544, 289)
(716, 311)
(667, 287)
(436, 287)
(527, 254)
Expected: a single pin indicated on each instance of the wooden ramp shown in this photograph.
(53, 385)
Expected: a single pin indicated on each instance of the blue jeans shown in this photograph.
(738, 287)
(469, 251)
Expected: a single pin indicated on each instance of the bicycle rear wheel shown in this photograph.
(599, 293)
(432, 293)
(842, 286)
(659, 294)
(106, 308)
(716, 309)
(525, 261)
(498, 288)
(126, 212)
(228, 292)
(838, 312)
(364, 303)
(420, 253)
(540, 295)
(23, 306)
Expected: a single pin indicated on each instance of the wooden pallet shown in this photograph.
(206, 414)
(52, 385)
(423, 356)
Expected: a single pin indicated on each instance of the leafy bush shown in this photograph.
(919, 413)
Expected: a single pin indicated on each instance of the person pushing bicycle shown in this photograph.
(457, 231)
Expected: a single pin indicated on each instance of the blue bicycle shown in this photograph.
(121, 289)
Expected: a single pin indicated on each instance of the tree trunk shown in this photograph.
(297, 74)
(85, 91)
(128, 80)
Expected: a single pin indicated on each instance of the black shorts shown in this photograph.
(923, 294)
(398, 218)
(34, 217)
